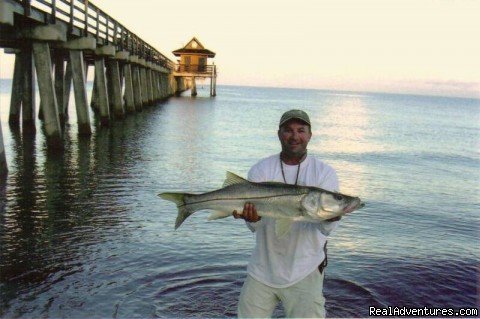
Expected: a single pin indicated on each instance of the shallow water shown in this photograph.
(84, 234)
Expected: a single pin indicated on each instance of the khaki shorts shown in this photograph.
(301, 300)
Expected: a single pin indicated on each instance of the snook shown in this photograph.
(286, 203)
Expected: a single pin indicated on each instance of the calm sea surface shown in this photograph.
(84, 235)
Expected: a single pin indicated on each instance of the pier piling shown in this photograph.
(43, 66)
(137, 85)
(115, 91)
(194, 87)
(101, 99)
(29, 100)
(17, 92)
(144, 86)
(3, 158)
(80, 92)
(129, 98)
(59, 70)
(67, 86)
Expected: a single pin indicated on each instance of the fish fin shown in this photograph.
(282, 227)
(233, 179)
(179, 200)
(216, 214)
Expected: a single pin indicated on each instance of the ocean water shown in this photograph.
(84, 235)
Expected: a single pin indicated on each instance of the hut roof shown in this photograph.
(194, 47)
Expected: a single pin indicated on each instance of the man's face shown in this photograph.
(294, 137)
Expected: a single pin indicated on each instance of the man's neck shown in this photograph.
(291, 159)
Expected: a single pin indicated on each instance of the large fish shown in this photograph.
(286, 203)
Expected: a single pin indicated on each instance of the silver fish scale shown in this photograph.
(269, 198)
(249, 191)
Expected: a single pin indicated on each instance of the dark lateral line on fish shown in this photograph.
(236, 198)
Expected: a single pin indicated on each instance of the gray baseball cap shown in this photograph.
(294, 114)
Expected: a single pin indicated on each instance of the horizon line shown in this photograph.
(342, 91)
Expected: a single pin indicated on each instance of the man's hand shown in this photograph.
(249, 213)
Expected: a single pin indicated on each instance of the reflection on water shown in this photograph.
(85, 235)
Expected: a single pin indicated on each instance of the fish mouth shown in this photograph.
(356, 204)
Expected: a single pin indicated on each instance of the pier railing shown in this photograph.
(84, 18)
(196, 68)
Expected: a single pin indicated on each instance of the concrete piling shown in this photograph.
(67, 86)
(166, 85)
(137, 91)
(59, 70)
(3, 158)
(17, 92)
(115, 91)
(80, 91)
(150, 84)
(194, 87)
(144, 86)
(101, 94)
(129, 97)
(154, 86)
(161, 84)
(28, 100)
(94, 97)
(43, 66)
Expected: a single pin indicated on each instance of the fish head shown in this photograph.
(320, 204)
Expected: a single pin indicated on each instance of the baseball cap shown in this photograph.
(294, 114)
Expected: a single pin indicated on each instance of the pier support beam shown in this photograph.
(213, 86)
(101, 100)
(101, 94)
(17, 92)
(43, 66)
(129, 97)
(137, 85)
(28, 103)
(194, 87)
(143, 80)
(156, 86)
(115, 89)
(67, 86)
(77, 71)
(172, 84)
(59, 71)
(126, 83)
(161, 80)
(149, 84)
(94, 97)
(80, 90)
(167, 85)
(3, 158)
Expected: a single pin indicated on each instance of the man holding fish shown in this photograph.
(289, 269)
(291, 201)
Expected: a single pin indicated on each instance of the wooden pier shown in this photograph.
(58, 40)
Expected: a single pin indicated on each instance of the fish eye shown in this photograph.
(338, 197)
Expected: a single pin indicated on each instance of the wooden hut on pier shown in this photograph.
(193, 63)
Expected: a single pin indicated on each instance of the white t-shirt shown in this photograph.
(282, 262)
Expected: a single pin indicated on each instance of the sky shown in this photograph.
(398, 46)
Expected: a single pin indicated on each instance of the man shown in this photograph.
(290, 268)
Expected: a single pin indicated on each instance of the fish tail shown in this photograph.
(179, 200)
